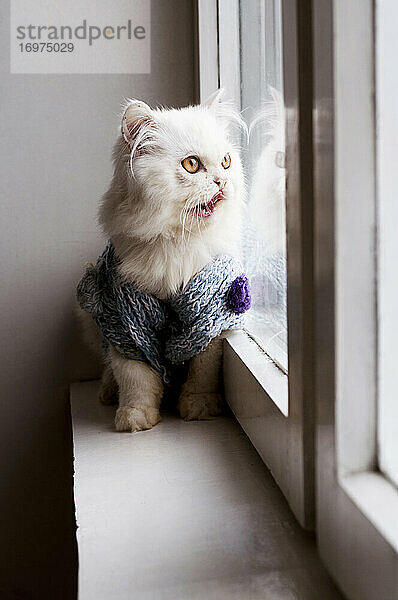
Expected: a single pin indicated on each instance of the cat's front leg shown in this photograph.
(200, 396)
(140, 393)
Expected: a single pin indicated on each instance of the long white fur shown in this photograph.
(149, 214)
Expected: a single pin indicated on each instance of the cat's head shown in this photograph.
(177, 171)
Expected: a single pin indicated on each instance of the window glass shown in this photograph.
(264, 239)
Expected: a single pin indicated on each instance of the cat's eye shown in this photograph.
(226, 161)
(191, 164)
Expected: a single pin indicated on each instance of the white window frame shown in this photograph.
(357, 507)
(274, 409)
(387, 245)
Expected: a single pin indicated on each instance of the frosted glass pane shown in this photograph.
(264, 239)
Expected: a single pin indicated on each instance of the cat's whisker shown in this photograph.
(131, 165)
(182, 222)
(198, 223)
(185, 212)
(189, 207)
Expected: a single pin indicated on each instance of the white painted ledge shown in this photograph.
(184, 511)
(377, 499)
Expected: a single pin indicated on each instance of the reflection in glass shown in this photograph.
(264, 240)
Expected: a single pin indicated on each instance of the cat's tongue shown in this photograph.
(206, 210)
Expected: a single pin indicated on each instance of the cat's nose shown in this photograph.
(220, 182)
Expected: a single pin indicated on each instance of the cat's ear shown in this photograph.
(214, 99)
(136, 116)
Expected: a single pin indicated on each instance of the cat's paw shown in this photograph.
(199, 406)
(132, 418)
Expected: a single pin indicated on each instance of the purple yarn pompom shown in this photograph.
(239, 298)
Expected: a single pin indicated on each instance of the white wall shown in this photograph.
(55, 142)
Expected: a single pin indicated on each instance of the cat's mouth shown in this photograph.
(207, 209)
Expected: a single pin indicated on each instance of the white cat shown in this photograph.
(173, 204)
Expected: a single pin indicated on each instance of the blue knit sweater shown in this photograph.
(142, 327)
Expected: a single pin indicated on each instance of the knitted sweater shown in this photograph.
(142, 327)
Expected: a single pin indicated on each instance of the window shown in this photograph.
(355, 147)
(267, 379)
(264, 240)
(331, 68)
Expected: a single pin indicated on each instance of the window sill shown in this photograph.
(265, 371)
(377, 499)
(174, 512)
